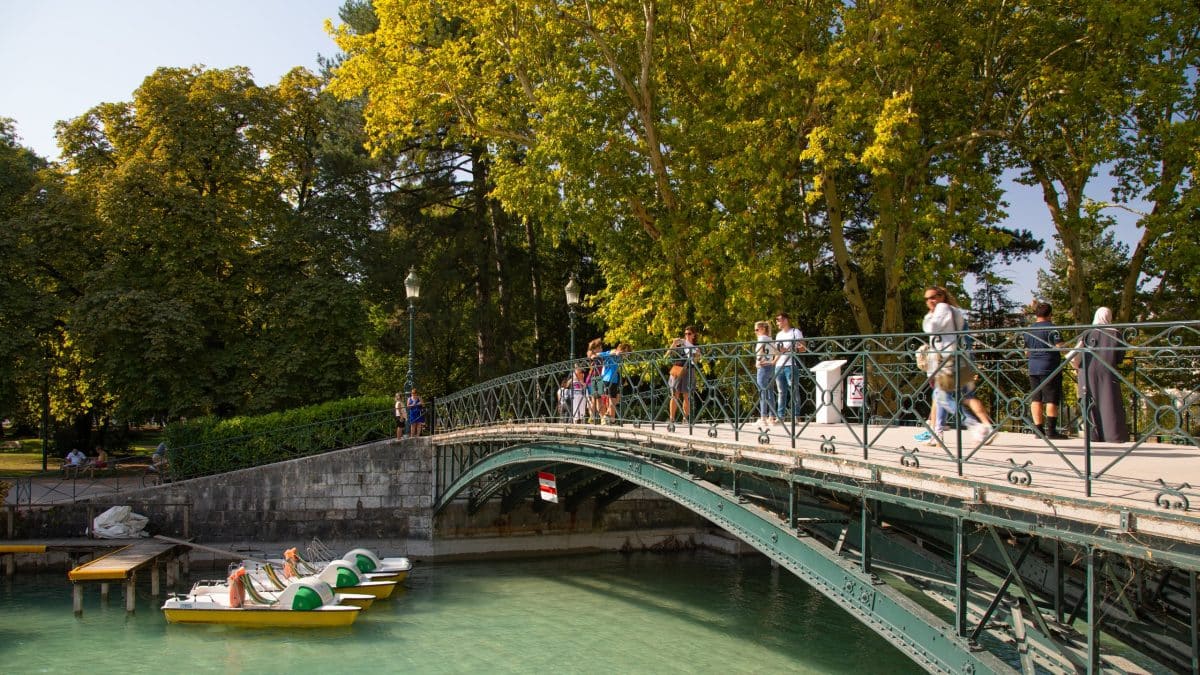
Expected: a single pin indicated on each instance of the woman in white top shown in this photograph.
(765, 354)
(944, 321)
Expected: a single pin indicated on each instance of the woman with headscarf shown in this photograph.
(1097, 355)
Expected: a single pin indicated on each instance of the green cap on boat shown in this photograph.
(346, 577)
(306, 599)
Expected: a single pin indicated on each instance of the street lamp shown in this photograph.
(572, 290)
(412, 288)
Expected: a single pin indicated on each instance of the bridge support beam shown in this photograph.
(960, 577)
(1194, 627)
(865, 547)
(1093, 613)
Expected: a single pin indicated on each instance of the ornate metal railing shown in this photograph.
(878, 386)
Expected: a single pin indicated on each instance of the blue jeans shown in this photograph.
(783, 381)
(947, 403)
(766, 391)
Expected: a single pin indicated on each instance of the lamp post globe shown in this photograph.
(412, 289)
(572, 291)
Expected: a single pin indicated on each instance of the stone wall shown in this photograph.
(378, 495)
(379, 491)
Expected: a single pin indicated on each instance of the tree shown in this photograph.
(229, 229)
(43, 235)
(1157, 162)
(703, 148)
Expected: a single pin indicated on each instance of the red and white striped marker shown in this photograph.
(548, 487)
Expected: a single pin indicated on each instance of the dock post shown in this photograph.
(104, 592)
(10, 564)
(77, 599)
(172, 565)
(154, 579)
(130, 596)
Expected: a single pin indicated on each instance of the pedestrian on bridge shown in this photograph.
(1042, 344)
(416, 413)
(400, 415)
(595, 383)
(765, 354)
(789, 342)
(684, 355)
(579, 397)
(949, 367)
(1097, 355)
(611, 379)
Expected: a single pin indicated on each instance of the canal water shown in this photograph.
(689, 612)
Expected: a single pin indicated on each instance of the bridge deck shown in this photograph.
(1052, 484)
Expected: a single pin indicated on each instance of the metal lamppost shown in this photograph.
(572, 290)
(412, 288)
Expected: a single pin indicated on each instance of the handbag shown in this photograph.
(954, 373)
(678, 370)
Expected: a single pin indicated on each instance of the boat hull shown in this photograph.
(387, 576)
(360, 600)
(326, 617)
(380, 590)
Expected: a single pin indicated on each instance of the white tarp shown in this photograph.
(119, 522)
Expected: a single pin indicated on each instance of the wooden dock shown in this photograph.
(122, 565)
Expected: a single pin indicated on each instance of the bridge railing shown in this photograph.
(878, 387)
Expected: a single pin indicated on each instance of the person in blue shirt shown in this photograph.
(416, 413)
(611, 379)
(1043, 343)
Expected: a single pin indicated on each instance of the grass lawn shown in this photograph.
(23, 456)
(24, 463)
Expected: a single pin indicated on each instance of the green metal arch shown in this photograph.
(926, 639)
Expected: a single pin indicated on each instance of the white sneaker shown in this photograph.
(934, 440)
(983, 434)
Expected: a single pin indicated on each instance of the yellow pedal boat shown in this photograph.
(301, 605)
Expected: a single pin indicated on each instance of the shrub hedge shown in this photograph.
(210, 445)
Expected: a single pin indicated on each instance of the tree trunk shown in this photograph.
(841, 255)
(484, 325)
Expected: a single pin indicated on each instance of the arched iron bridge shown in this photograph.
(1024, 549)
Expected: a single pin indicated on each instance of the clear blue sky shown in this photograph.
(61, 57)
(64, 56)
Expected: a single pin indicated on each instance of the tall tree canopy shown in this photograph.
(225, 244)
(214, 245)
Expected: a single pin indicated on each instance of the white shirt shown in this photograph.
(942, 323)
(786, 341)
(75, 457)
(765, 351)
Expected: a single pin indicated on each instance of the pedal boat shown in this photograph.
(301, 605)
(370, 566)
(275, 580)
(344, 578)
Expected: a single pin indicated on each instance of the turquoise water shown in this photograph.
(696, 612)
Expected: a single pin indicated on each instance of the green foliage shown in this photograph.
(211, 445)
(217, 247)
